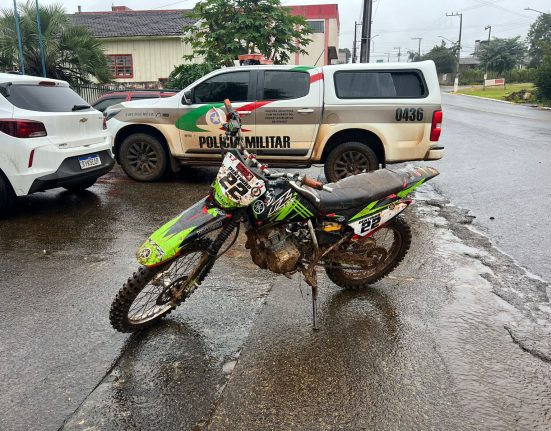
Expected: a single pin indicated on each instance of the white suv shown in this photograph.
(49, 137)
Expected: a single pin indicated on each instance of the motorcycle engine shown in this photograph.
(273, 249)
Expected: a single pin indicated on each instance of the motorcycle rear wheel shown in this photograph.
(145, 298)
(395, 249)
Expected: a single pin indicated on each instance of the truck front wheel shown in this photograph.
(349, 158)
(143, 157)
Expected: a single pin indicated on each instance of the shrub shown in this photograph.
(543, 78)
(185, 74)
(476, 76)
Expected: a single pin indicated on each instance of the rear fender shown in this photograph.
(413, 178)
(369, 225)
(379, 212)
(171, 239)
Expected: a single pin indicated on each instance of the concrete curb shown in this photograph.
(543, 108)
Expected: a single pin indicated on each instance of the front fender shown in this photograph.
(169, 241)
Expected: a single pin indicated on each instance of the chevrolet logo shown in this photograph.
(83, 120)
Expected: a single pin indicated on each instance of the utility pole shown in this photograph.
(488, 27)
(388, 57)
(40, 42)
(366, 31)
(456, 81)
(355, 47)
(18, 30)
(399, 48)
(419, 50)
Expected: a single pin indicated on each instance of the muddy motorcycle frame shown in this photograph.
(293, 224)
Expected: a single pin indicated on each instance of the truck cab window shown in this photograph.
(285, 84)
(233, 86)
(364, 84)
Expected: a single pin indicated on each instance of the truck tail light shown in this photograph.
(436, 126)
(104, 122)
(23, 128)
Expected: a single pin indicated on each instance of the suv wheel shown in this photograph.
(349, 158)
(7, 197)
(143, 157)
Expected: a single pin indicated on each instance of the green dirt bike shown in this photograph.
(293, 224)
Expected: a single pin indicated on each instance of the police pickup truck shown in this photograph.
(352, 118)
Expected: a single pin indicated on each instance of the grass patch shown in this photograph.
(499, 93)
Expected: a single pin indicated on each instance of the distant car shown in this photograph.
(49, 137)
(110, 99)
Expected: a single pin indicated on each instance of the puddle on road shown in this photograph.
(500, 384)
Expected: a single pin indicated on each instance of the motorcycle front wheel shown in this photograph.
(147, 296)
(387, 248)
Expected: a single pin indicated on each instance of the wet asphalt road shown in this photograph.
(497, 165)
(456, 338)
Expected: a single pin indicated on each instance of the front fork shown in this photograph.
(206, 262)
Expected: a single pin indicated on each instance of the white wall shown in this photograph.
(153, 58)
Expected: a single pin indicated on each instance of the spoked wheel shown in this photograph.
(381, 254)
(148, 295)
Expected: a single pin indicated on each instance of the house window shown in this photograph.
(121, 65)
(317, 26)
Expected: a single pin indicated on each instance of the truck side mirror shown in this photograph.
(5, 89)
(188, 96)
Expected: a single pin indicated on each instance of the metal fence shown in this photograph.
(91, 93)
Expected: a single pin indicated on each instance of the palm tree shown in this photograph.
(413, 56)
(71, 52)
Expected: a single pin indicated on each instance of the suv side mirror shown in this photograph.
(188, 96)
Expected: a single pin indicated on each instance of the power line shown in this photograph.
(496, 6)
(377, 8)
(169, 4)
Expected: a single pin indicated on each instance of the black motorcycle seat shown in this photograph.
(357, 190)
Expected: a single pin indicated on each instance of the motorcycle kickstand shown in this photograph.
(311, 279)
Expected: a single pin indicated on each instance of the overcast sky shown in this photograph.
(394, 21)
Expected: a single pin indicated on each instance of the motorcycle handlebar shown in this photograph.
(227, 105)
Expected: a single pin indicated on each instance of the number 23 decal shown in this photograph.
(409, 114)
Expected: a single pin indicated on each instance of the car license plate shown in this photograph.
(89, 161)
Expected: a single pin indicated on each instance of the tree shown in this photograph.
(346, 52)
(228, 28)
(186, 74)
(71, 52)
(502, 54)
(539, 36)
(543, 75)
(444, 58)
(413, 56)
